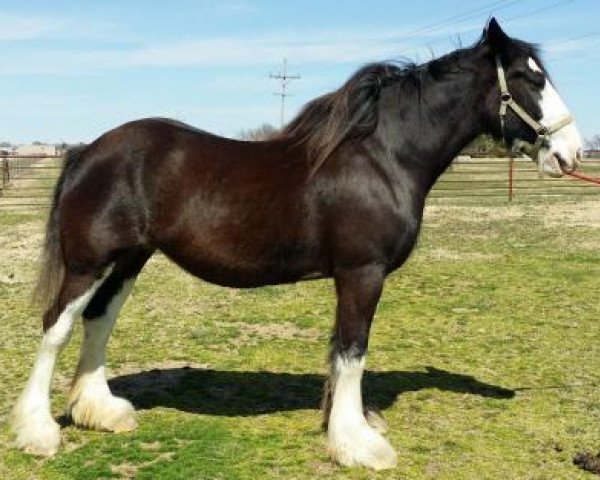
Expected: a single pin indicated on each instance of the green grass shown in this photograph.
(483, 359)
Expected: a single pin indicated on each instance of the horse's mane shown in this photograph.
(351, 111)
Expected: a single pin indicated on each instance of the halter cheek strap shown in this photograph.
(507, 101)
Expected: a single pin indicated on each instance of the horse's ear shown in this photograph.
(495, 36)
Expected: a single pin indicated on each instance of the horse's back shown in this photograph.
(229, 211)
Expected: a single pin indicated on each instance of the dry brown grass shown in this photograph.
(474, 214)
(254, 333)
(447, 255)
(21, 243)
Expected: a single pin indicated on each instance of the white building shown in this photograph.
(35, 150)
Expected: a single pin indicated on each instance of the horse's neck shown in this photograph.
(446, 118)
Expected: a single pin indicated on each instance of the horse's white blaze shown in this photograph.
(566, 142)
(91, 402)
(351, 441)
(32, 422)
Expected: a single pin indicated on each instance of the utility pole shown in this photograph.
(285, 80)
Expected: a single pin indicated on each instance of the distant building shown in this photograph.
(35, 150)
(591, 153)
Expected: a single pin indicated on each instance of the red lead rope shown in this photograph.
(585, 178)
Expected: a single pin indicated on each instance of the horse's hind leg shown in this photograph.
(36, 431)
(91, 402)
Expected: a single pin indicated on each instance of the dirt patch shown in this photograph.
(474, 214)
(588, 462)
(130, 470)
(581, 214)
(585, 245)
(8, 278)
(443, 254)
(125, 470)
(21, 249)
(150, 446)
(323, 469)
(253, 333)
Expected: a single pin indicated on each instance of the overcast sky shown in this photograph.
(71, 70)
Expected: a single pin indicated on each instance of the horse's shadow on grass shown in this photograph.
(232, 393)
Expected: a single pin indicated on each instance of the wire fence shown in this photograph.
(28, 181)
(517, 178)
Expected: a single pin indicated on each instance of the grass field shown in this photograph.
(484, 359)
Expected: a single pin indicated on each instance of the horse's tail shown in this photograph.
(52, 264)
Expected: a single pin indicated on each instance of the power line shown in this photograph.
(470, 14)
(553, 43)
(459, 18)
(285, 80)
(488, 8)
(540, 10)
(425, 30)
(580, 54)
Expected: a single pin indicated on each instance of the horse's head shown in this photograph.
(526, 109)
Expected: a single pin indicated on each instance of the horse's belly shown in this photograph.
(239, 266)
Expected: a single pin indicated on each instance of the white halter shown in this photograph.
(507, 101)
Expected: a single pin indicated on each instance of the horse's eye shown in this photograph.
(535, 78)
(538, 80)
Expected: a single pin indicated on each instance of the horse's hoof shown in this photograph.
(112, 414)
(40, 438)
(361, 446)
(125, 425)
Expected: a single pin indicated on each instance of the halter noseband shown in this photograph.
(507, 101)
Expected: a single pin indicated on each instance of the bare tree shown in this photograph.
(485, 146)
(592, 143)
(264, 132)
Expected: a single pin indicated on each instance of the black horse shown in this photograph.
(338, 193)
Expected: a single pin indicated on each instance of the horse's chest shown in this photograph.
(402, 244)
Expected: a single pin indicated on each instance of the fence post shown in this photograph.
(511, 167)
(5, 173)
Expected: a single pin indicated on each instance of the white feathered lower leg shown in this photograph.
(91, 402)
(351, 441)
(31, 420)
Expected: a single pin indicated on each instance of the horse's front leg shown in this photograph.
(351, 441)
